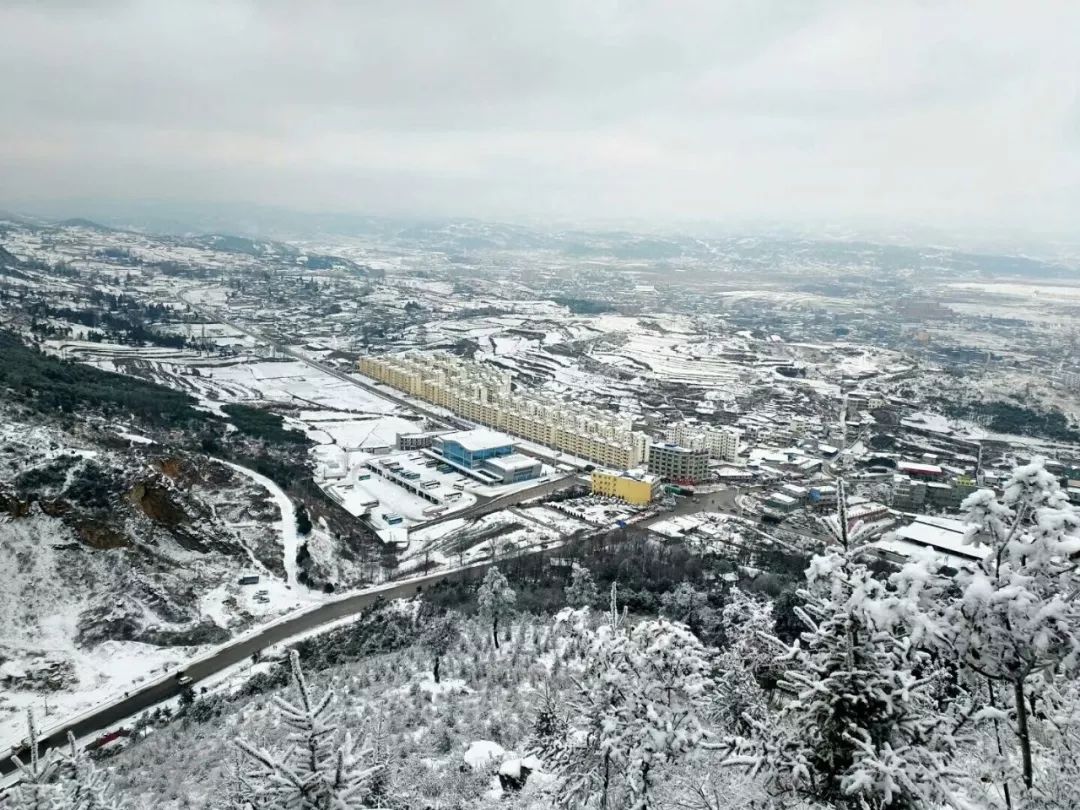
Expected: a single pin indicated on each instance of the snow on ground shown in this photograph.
(296, 382)
(39, 624)
(134, 438)
(365, 433)
(482, 754)
(105, 674)
(287, 525)
(430, 534)
(562, 523)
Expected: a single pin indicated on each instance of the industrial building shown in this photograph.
(636, 487)
(682, 465)
(485, 455)
(469, 447)
(485, 396)
(513, 468)
(721, 443)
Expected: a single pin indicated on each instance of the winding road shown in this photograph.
(238, 650)
(291, 625)
(289, 540)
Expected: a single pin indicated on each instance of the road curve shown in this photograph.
(237, 651)
(290, 626)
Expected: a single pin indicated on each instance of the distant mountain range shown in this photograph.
(258, 230)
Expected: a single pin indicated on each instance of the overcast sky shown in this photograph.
(960, 113)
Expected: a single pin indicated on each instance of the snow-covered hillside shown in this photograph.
(120, 558)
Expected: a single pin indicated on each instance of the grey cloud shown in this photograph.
(952, 112)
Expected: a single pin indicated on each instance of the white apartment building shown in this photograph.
(484, 395)
(722, 443)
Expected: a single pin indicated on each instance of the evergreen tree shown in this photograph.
(85, 787)
(550, 723)
(859, 728)
(691, 607)
(633, 710)
(746, 667)
(495, 598)
(440, 636)
(1015, 620)
(35, 789)
(581, 591)
(320, 771)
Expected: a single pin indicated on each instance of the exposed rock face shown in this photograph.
(100, 535)
(205, 632)
(157, 503)
(11, 505)
(43, 674)
(105, 541)
(102, 624)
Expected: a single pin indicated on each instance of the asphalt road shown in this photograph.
(489, 505)
(168, 686)
(242, 649)
(723, 500)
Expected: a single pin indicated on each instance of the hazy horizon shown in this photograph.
(947, 118)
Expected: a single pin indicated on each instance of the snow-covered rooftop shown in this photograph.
(479, 439)
(924, 469)
(944, 534)
(512, 462)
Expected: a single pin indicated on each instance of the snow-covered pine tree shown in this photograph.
(1016, 619)
(549, 722)
(581, 591)
(321, 769)
(746, 669)
(1056, 749)
(440, 635)
(860, 729)
(242, 792)
(634, 708)
(495, 598)
(85, 786)
(748, 622)
(380, 788)
(36, 788)
(687, 605)
(615, 620)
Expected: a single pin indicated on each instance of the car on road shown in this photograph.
(183, 679)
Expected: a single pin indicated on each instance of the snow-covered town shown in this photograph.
(620, 406)
(481, 423)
